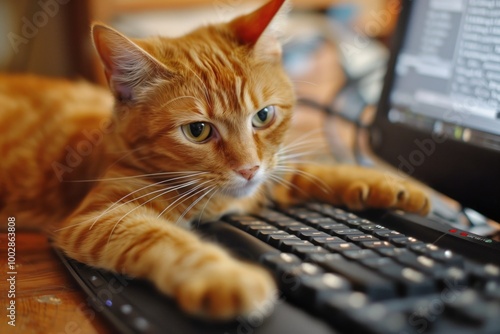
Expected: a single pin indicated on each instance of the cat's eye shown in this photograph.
(197, 132)
(263, 117)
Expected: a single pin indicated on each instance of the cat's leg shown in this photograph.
(202, 277)
(353, 186)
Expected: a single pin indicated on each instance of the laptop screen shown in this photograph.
(439, 115)
(447, 76)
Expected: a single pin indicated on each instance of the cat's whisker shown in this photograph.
(291, 162)
(287, 157)
(302, 146)
(206, 204)
(163, 190)
(285, 183)
(110, 208)
(310, 149)
(194, 203)
(140, 176)
(148, 157)
(306, 82)
(171, 206)
(302, 143)
(151, 199)
(306, 135)
(171, 188)
(311, 177)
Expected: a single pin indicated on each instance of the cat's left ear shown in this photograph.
(126, 64)
(261, 29)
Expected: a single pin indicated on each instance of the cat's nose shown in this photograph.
(248, 173)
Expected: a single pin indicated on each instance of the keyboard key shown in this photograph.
(288, 223)
(387, 234)
(289, 277)
(315, 222)
(411, 282)
(357, 222)
(311, 235)
(271, 215)
(357, 239)
(297, 229)
(255, 229)
(314, 290)
(287, 245)
(274, 261)
(303, 269)
(359, 254)
(372, 228)
(265, 234)
(341, 305)
(341, 247)
(392, 252)
(421, 263)
(376, 244)
(483, 273)
(444, 256)
(306, 215)
(405, 241)
(376, 262)
(329, 228)
(473, 310)
(276, 239)
(96, 281)
(322, 241)
(368, 281)
(341, 215)
(304, 252)
(344, 233)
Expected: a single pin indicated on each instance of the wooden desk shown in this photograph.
(46, 297)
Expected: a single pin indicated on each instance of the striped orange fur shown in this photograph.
(117, 187)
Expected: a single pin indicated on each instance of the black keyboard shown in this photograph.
(337, 273)
(360, 275)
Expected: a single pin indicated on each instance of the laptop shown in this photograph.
(438, 120)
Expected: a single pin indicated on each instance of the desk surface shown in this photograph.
(46, 297)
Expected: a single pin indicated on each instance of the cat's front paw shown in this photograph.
(226, 289)
(385, 191)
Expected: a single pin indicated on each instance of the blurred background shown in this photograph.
(51, 37)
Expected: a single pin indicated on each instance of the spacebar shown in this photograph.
(375, 286)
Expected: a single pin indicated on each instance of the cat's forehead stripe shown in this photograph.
(223, 77)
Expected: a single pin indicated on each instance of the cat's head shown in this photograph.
(216, 100)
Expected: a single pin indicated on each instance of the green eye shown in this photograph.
(263, 117)
(197, 132)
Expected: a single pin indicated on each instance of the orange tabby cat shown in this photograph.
(196, 132)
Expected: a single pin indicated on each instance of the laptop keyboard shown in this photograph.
(349, 275)
(359, 275)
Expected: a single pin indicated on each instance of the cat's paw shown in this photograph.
(226, 289)
(383, 191)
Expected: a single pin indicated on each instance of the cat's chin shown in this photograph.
(245, 190)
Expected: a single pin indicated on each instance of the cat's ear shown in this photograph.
(126, 64)
(260, 29)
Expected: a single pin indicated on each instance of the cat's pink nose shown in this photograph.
(248, 173)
